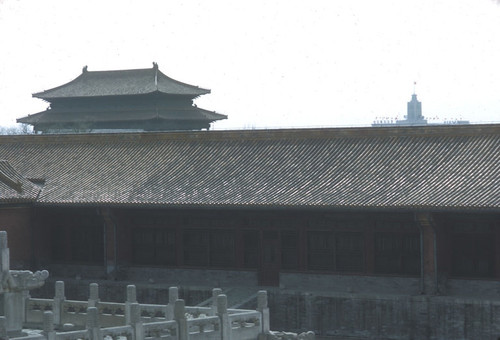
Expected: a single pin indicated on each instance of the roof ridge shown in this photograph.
(266, 134)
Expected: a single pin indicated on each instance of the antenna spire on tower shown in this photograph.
(414, 85)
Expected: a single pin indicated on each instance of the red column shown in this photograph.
(429, 255)
(370, 248)
(109, 242)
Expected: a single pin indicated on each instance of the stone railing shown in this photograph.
(62, 319)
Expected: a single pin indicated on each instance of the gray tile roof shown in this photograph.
(14, 188)
(120, 83)
(435, 168)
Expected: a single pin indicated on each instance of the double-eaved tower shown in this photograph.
(140, 99)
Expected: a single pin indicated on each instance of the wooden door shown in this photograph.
(270, 265)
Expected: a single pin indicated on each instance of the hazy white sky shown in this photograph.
(268, 63)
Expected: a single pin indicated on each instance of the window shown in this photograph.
(196, 246)
(320, 245)
(289, 250)
(349, 252)
(336, 251)
(221, 248)
(58, 243)
(154, 246)
(473, 255)
(397, 253)
(251, 249)
(78, 238)
(213, 248)
(87, 244)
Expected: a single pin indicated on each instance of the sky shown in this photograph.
(269, 64)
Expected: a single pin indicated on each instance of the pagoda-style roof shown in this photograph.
(141, 99)
(121, 83)
(425, 168)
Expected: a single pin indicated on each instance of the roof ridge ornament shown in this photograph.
(84, 69)
(155, 68)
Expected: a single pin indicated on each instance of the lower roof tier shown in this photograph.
(149, 119)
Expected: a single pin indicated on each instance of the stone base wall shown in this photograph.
(473, 288)
(386, 316)
(351, 283)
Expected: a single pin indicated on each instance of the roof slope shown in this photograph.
(121, 83)
(14, 188)
(446, 167)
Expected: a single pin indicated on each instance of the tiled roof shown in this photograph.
(14, 188)
(182, 113)
(120, 83)
(435, 168)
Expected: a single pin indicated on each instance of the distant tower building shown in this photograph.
(414, 113)
(414, 116)
(140, 100)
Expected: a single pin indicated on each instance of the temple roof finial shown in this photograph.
(84, 69)
(155, 65)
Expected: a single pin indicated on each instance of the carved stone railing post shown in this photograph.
(3, 328)
(48, 325)
(25, 297)
(131, 298)
(215, 293)
(180, 317)
(93, 295)
(173, 295)
(4, 253)
(135, 320)
(264, 310)
(14, 288)
(224, 317)
(93, 326)
(58, 301)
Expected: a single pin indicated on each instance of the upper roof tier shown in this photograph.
(121, 83)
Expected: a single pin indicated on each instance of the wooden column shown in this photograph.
(369, 234)
(429, 255)
(110, 247)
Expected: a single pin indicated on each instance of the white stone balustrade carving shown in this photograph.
(162, 329)
(95, 319)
